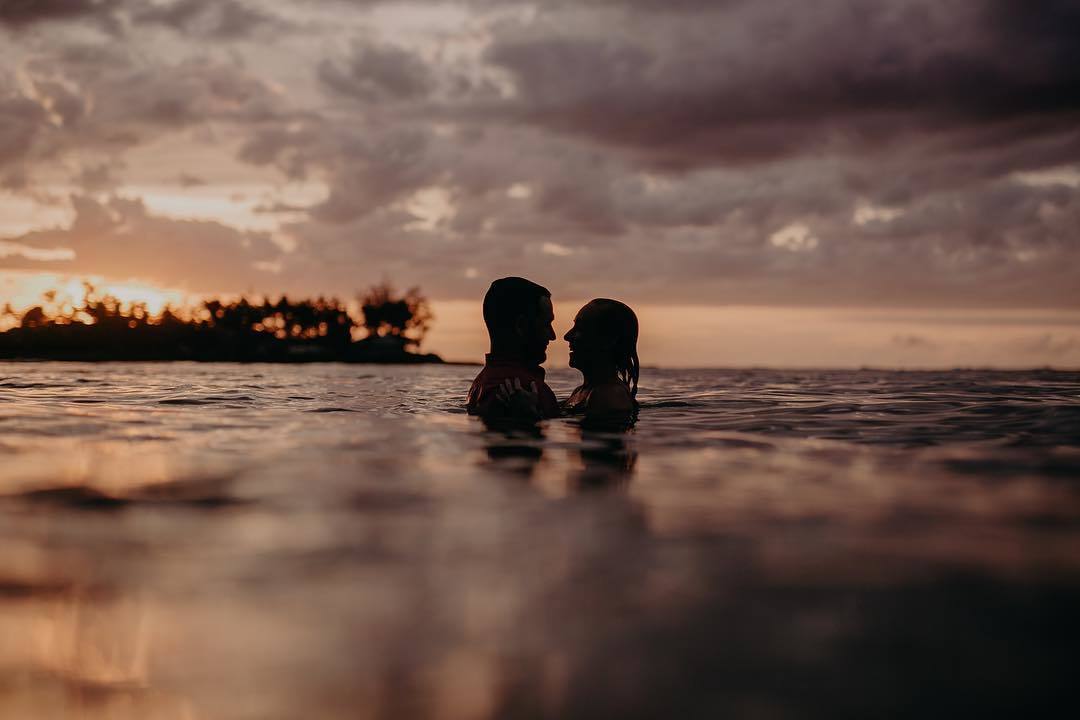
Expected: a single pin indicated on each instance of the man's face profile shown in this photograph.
(539, 331)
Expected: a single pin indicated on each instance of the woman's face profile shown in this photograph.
(587, 343)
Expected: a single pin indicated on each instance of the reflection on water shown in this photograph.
(595, 458)
(607, 459)
(183, 541)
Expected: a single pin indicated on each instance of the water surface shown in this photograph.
(325, 541)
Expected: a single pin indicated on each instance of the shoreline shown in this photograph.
(420, 360)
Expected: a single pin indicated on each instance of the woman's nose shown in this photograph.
(566, 337)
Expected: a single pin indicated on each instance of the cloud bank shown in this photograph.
(906, 153)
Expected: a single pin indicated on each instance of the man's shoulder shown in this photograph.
(483, 397)
(498, 373)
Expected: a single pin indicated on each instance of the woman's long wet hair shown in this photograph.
(622, 323)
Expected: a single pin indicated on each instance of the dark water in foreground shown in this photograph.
(224, 541)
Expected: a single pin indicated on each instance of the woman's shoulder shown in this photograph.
(601, 400)
(611, 397)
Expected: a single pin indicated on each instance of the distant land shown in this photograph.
(389, 330)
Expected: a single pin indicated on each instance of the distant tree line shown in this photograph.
(390, 328)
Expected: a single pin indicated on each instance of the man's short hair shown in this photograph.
(507, 299)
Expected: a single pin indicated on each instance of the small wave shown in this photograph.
(202, 494)
(207, 400)
(78, 497)
(16, 589)
(330, 410)
(143, 438)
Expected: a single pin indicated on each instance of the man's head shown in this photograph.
(518, 315)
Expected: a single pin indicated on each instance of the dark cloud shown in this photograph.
(23, 12)
(15, 180)
(221, 19)
(98, 178)
(756, 81)
(913, 342)
(204, 19)
(187, 180)
(374, 73)
(94, 103)
(366, 169)
(190, 92)
(21, 121)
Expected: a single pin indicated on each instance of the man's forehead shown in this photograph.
(547, 312)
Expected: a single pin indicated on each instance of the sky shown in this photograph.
(772, 183)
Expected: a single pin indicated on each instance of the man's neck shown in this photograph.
(509, 355)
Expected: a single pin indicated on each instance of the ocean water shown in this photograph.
(330, 541)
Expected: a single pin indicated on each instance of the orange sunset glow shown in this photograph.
(701, 336)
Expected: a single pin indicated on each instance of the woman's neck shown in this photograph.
(599, 375)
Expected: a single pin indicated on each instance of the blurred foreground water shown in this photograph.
(256, 541)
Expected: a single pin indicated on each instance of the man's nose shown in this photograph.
(566, 337)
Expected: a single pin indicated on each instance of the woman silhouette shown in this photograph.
(603, 346)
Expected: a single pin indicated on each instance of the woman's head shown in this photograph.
(604, 339)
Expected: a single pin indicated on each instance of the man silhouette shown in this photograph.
(518, 315)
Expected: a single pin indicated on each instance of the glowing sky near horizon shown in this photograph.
(845, 183)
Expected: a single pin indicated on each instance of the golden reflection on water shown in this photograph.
(100, 643)
(81, 655)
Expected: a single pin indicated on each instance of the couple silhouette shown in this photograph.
(603, 347)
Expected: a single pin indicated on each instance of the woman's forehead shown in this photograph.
(589, 312)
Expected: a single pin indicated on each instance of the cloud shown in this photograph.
(747, 82)
(99, 177)
(913, 342)
(365, 170)
(187, 180)
(79, 106)
(1047, 345)
(18, 13)
(21, 120)
(220, 19)
(373, 73)
(119, 238)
